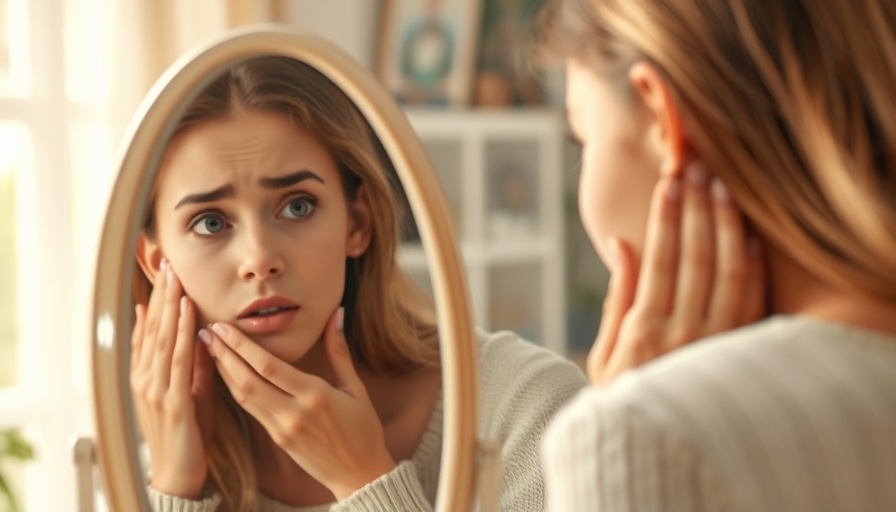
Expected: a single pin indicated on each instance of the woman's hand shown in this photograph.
(701, 274)
(172, 379)
(333, 433)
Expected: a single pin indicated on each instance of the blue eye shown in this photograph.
(299, 208)
(209, 224)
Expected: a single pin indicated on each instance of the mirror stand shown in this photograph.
(85, 461)
(490, 468)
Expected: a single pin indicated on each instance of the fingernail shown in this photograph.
(698, 175)
(340, 318)
(183, 305)
(673, 190)
(720, 191)
(220, 329)
(169, 274)
(205, 336)
(163, 265)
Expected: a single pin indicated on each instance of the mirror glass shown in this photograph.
(271, 187)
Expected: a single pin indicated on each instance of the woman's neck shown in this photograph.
(794, 290)
(387, 391)
(279, 476)
(404, 405)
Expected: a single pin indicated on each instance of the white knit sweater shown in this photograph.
(522, 386)
(787, 415)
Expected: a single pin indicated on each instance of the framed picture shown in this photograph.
(503, 75)
(427, 50)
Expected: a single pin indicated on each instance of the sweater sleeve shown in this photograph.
(160, 502)
(603, 456)
(398, 489)
(523, 386)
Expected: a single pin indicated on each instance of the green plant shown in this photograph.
(12, 446)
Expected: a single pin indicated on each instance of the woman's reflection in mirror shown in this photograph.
(281, 360)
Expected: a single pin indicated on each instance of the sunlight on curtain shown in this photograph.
(14, 66)
(71, 73)
(12, 138)
(87, 37)
(86, 52)
(5, 64)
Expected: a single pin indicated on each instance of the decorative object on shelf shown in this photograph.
(12, 447)
(513, 213)
(427, 49)
(503, 75)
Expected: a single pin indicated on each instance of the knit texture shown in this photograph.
(786, 415)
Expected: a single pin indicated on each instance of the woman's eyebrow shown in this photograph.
(289, 179)
(206, 197)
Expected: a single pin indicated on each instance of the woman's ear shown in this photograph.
(666, 133)
(360, 224)
(149, 256)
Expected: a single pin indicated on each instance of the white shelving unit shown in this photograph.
(502, 176)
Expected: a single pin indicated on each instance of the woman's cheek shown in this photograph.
(198, 294)
(591, 202)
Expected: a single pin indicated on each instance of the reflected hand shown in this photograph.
(701, 274)
(172, 379)
(333, 433)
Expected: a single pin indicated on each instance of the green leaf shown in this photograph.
(16, 446)
(6, 492)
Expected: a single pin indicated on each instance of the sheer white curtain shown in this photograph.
(79, 69)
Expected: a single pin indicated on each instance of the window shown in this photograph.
(11, 141)
(13, 48)
(55, 175)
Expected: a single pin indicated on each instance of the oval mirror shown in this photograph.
(141, 159)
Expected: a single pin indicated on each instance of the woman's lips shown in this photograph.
(267, 324)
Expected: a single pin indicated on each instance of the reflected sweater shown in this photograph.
(522, 385)
(788, 414)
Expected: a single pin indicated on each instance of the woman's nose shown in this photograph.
(260, 259)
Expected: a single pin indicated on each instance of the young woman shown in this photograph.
(317, 386)
(790, 103)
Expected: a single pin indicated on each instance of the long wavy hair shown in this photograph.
(390, 322)
(789, 102)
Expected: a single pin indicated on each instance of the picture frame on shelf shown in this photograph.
(513, 209)
(504, 76)
(427, 50)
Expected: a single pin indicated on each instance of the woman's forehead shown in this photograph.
(243, 149)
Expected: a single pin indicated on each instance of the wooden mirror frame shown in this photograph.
(151, 128)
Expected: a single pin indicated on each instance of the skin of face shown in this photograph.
(620, 161)
(256, 240)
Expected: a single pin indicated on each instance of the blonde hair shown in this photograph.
(389, 321)
(790, 102)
